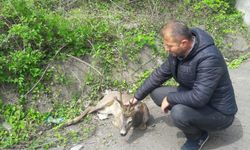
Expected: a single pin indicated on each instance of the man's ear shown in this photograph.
(184, 42)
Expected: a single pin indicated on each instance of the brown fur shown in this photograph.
(125, 117)
(134, 116)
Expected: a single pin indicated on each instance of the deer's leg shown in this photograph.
(143, 126)
(116, 122)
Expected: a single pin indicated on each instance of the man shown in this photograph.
(204, 101)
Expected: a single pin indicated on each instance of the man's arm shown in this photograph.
(156, 79)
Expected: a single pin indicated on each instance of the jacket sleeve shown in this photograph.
(156, 79)
(209, 72)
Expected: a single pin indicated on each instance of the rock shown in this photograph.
(77, 147)
(7, 126)
(239, 43)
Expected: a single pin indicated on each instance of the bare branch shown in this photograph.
(85, 64)
(143, 65)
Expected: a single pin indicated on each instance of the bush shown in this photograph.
(34, 33)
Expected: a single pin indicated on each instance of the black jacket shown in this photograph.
(202, 76)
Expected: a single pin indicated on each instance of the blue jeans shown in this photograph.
(193, 121)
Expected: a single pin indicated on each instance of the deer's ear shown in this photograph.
(131, 107)
(137, 107)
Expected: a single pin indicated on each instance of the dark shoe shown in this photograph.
(196, 144)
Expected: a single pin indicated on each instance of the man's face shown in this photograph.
(173, 47)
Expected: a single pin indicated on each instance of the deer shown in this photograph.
(125, 116)
(136, 116)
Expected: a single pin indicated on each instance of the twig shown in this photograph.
(131, 1)
(37, 81)
(118, 5)
(44, 72)
(143, 65)
(8, 24)
(14, 9)
(121, 96)
(47, 143)
(85, 63)
(91, 44)
(76, 78)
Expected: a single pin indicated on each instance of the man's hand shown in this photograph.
(132, 101)
(165, 105)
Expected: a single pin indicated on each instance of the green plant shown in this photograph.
(141, 78)
(218, 17)
(22, 123)
(236, 62)
(31, 37)
(24, 66)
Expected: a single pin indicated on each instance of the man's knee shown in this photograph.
(155, 97)
(159, 93)
(153, 94)
(180, 113)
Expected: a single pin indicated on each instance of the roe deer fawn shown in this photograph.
(125, 116)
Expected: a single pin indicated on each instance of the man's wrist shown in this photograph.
(166, 99)
(133, 100)
(170, 105)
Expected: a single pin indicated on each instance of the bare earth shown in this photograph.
(162, 135)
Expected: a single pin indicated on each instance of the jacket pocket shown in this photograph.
(186, 75)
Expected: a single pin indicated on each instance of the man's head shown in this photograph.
(177, 38)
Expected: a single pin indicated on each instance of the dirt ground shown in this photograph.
(162, 135)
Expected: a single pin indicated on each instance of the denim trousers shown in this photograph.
(192, 121)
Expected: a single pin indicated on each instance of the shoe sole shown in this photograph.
(204, 142)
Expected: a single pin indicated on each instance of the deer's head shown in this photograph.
(127, 117)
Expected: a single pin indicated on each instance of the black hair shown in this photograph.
(177, 30)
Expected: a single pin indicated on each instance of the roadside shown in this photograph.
(162, 135)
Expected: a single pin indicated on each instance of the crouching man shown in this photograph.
(204, 101)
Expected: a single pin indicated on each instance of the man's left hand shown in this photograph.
(164, 105)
